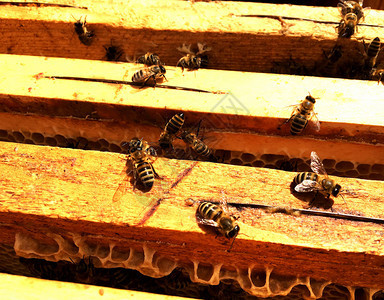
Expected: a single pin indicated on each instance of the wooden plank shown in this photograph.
(53, 194)
(117, 112)
(33, 289)
(238, 43)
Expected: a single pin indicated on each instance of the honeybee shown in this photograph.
(139, 152)
(193, 61)
(152, 72)
(334, 55)
(113, 53)
(217, 216)
(372, 53)
(347, 25)
(85, 36)
(346, 7)
(302, 113)
(378, 74)
(197, 145)
(84, 272)
(149, 59)
(351, 13)
(171, 129)
(317, 181)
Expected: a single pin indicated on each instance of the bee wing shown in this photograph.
(315, 122)
(223, 203)
(206, 222)
(185, 49)
(316, 164)
(307, 186)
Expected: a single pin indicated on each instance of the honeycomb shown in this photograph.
(271, 161)
(116, 268)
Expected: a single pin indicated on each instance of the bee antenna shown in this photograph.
(71, 260)
(343, 199)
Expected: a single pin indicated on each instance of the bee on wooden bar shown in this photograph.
(347, 26)
(318, 181)
(140, 153)
(372, 53)
(193, 61)
(197, 145)
(355, 7)
(171, 129)
(301, 115)
(149, 59)
(351, 13)
(150, 73)
(217, 216)
(85, 36)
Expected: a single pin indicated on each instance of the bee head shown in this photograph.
(135, 144)
(336, 190)
(234, 232)
(162, 69)
(311, 99)
(196, 61)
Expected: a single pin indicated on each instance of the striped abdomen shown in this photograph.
(210, 211)
(298, 123)
(140, 75)
(374, 47)
(299, 178)
(200, 148)
(149, 59)
(175, 123)
(145, 173)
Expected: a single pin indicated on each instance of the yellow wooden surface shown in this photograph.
(46, 189)
(238, 43)
(240, 111)
(19, 287)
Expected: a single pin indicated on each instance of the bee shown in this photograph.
(217, 216)
(346, 7)
(351, 13)
(84, 272)
(302, 113)
(152, 72)
(372, 53)
(347, 25)
(317, 181)
(139, 152)
(378, 74)
(171, 129)
(334, 55)
(149, 59)
(197, 145)
(193, 61)
(113, 53)
(85, 36)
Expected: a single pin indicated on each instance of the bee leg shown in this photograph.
(155, 173)
(313, 200)
(146, 80)
(286, 121)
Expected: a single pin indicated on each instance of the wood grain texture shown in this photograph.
(239, 112)
(238, 43)
(64, 191)
(33, 289)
